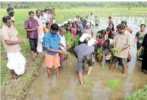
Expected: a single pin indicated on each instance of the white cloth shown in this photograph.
(63, 41)
(83, 37)
(40, 41)
(16, 62)
(91, 42)
(54, 21)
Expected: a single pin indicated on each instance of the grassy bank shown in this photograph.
(139, 95)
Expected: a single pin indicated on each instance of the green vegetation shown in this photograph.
(69, 5)
(103, 68)
(139, 95)
(113, 83)
(100, 53)
(75, 40)
(88, 82)
(67, 53)
(116, 50)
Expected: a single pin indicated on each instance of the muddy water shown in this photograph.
(66, 87)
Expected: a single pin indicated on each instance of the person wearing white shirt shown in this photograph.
(61, 33)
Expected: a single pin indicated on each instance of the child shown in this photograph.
(88, 30)
(47, 28)
(74, 29)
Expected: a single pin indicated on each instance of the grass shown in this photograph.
(61, 15)
(139, 95)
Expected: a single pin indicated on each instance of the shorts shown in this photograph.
(122, 61)
(88, 60)
(52, 61)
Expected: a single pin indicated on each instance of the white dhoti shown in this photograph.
(16, 62)
(40, 41)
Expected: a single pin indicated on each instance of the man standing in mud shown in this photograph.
(122, 41)
(84, 53)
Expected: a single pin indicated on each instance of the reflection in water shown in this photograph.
(98, 93)
(74, 83)
(54, 81)
(128, 87)
(69, 95)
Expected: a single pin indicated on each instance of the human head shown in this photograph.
(45, 10)
(109, 17)
(95, 16)
(142, 27)
(91, 14)
(42, 12)
(111, 25)
(48, 25)
(7, 20)
(9, 5)
(84, 38)
(121, 28)
(31, 14)
(38, 13)
(54, 28)
(62, 31)
(88, 25)
(124, 22)
(102, 32)
(48, 10)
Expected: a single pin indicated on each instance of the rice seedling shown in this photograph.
(113, 83)
(67, 53)
(88, 82)
(100, 53)
(103, 68)
(116, 50)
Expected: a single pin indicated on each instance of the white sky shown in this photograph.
(72, 0)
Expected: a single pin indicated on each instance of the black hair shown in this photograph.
(37, 11)
(9, 4)
(143, 25)
(103, 31)
(5, 18)
(45, 10)
(54, 27)
(121, 26)
(109, 17)
(31, 12)
(47, 24)
(124, 22)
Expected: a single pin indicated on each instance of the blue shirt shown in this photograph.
(51, 41)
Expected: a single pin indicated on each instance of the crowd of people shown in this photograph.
(45, 35)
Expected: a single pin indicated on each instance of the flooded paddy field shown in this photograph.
(67, 87)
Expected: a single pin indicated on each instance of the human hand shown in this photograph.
(21, 40)
(60, 51)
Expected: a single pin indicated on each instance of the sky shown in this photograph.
(72, 0)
